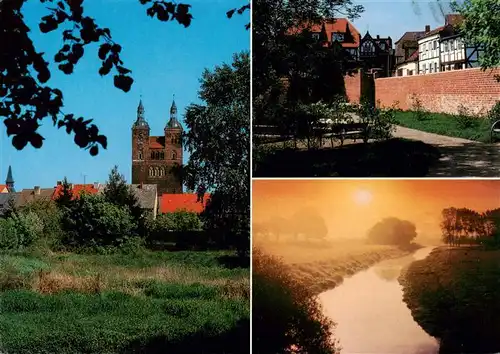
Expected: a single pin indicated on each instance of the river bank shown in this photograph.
(322, 268)
(454, 296)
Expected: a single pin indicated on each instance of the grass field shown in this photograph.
(151, 302)
(324, 266)
(454, 294)
(447, 124)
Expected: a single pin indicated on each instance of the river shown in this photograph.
(371, 315)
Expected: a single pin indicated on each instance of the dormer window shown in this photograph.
(368, 47)
(315, 36)
(382, 46)
(337, 37)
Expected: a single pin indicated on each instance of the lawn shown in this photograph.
(150, 302)
(472, 128)
(454, 294)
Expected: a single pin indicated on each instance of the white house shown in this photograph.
(408, 67)
(456, 54)
(429, 53)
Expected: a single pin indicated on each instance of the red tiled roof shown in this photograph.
(338, 25)
(413, 57)
(156, 142)
(77, 190)
(2, 187)
(433, 32)
(170, 203)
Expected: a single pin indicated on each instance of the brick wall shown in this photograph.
(353, 87)
(442, 92)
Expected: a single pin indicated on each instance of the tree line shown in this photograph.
(461, 226)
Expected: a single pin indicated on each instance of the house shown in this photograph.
(442, 48)
(170, 203)
(27, 196)
(407, 45)
(338, 31)
(456, 54)
(408, 67)
(377, 54)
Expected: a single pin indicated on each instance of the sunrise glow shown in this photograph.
(363, 197)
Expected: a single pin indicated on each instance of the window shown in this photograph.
(157, 172)
(425, 69)
(151, 172)
(382, 46)
(140, 155)
(430, 68)
(400, 72)
(337, 37)
(436, 67)
(174, 155)
(162, 172)
(162, 155)
(410, 72)
(315, 36)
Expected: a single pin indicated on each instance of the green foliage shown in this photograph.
(465, 119)
(51, 216)
(392, 231)
(92, 221)
(9, 239)
(218, 141)
(285, 313)
(481, 26)
(380, 124)
(181, 220)
(494, 113)
(65, 197)
(117, 192)
(419, 111)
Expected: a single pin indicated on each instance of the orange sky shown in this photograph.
(420, 201)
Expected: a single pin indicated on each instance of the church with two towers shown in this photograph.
(156, 159)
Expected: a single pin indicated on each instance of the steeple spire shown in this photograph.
(141, 120)
(173, 122)
(10, 181)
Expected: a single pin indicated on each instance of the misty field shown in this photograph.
(323, 266)
(147, 302)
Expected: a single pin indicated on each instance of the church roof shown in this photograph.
(9, 179)
(170, 203)
(156, 142)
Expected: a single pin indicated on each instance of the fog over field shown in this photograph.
(350, 207)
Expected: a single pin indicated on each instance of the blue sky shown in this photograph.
(394, 18)
(165, 59)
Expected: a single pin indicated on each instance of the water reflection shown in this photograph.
(370, 313)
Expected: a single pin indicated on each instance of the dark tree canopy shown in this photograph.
(26, 95)
(218, 141)
(392, 231)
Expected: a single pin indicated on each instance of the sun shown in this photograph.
(363, 197)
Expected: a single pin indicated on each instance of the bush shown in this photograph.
(419, 111)
(494, 113)
(465, 119)
(392, 231)
(50, 216)
(9, 239)
(285, 313)
(91, 222)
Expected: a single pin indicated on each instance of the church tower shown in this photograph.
(173, 139)
(157, 159)
(9, 182)
(140, 146)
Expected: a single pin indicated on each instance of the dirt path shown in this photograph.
(460, 157)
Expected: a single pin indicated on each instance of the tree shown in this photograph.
(65, 197)
(92, 221)
(481, 26)
(26, 98)
(282, 61)
(309, 222)
(117, 192)
(392, 231)
(218, 141)
(181, 220)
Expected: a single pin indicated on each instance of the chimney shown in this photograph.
(378, 36)
(59, 183)
(37, 190)
(96, 185)
(427, 28)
